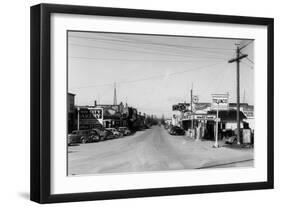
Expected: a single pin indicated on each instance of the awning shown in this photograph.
(228, 115)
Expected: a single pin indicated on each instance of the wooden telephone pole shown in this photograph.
(239, 56)
(191, 105)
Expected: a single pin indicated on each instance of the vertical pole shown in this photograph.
(191, 105)
(238, 95)
(78, 119)
(191, 109)
(217, 126)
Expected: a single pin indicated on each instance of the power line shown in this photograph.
(153, 43)
(244, 46)
(250, 60)
(249, 66)
(143, 52)
(133, 60)
(149, 78)
(146, 43)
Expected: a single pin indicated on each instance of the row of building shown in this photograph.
(204, 115)
(105, 115)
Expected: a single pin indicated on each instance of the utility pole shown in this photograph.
(239, 56)
(191, 97)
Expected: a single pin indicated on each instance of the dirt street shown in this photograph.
(152, 150)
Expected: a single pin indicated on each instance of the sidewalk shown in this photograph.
(201, 154)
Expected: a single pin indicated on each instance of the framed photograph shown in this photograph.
(132, 103)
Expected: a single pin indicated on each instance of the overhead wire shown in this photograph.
(134, 60)
(249, 66)
(149, 45)
(244, 46)
(153, 43)
(250, 60)
(149, 78)
(144, 52)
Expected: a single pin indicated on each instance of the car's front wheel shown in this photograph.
(83, 141)
(96, 138)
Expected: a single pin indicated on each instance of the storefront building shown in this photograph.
(200, 118)
(70, 112)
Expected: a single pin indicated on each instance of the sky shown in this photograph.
(154, 72)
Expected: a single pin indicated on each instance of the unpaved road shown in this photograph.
(152, 150)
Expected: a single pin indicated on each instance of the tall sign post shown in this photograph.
(219, 102)
(239, 56)
(216, 145)
(191, 107)
(197, 130)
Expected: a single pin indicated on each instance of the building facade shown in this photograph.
(201, 117)
(70, 112)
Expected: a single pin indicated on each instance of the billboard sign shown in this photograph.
(220, 102)
(97, 113)
(180, 107)
(90, 115)
(249, 114)
(200, 117)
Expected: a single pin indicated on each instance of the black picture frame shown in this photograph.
(40, 184)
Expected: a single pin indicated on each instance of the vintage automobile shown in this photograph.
(77, 136)
(115, 132)
(93, 137)
(103, 134)
(124, 130)
(175, 130)
(166, 126)
(231, 139)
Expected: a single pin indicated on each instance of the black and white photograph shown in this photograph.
(141, 103)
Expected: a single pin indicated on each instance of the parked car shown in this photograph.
(175, 130)
(124, 130)
(231, 139)
(94, 137)
(166, 126)
(77, 136)
(146, 126)
(115, 132)
(169, 129)
(103, 134)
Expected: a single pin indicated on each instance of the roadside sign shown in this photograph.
(195, 99)
(217, 119)
(200, 117)
(90, 115)
(97, 113)
(220, 102)
(210, 117)
(180, 107)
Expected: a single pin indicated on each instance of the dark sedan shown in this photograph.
(104, 134)
(175, 130)
(78, 136)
